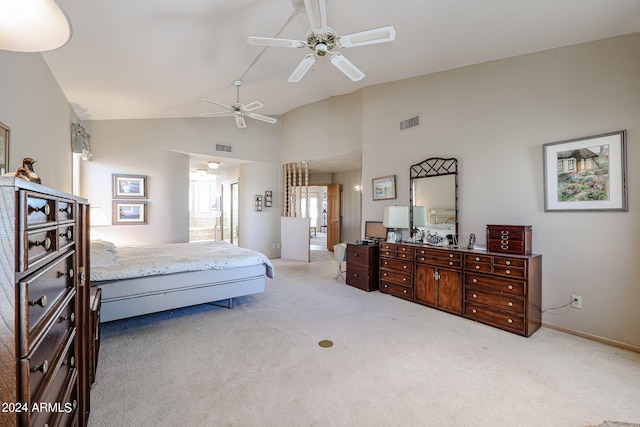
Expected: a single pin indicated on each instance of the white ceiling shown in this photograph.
(160, 58)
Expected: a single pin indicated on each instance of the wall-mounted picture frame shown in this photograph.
(129, 186)
(586, 174)
(384, 188)
(4, 148)
(258, 203)
(268, 199)
(129, 212)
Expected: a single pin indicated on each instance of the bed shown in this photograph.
(137, 280)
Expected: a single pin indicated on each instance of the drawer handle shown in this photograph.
(474, 311)
(71, 362)
(508, 263)
(68, 234)
(355, 274)
(450, 255)
(384, 274)
(422, 258)
(405, 291)
(510, 287)
(509, 320)
(450, 262)
(504, 246)
(69, 273)
(475, 280)
(477, 267)
(477, 258)
(475, 295)
(71, 317)
(385, 286)
(46, 209)
(68, 210)
(510, 304)
(504, 232)
(42, 368)
(404, 266)
(46, 243)
(42, 301)
(505, 238)
(355, 255)
(508, 271)
(404, 279)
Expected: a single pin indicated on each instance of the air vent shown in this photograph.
(222, 147)
(410, 123)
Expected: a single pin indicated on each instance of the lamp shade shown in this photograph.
(32, 26)
(97, 218)
(396, 217)
(419, 216)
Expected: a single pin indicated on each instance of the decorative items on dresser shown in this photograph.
(497, 289)
(44, 306)
(362, 266)
(509, 239)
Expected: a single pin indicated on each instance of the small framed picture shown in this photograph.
(586, 174)
(384, 188)
(129, 186)
(129, 212)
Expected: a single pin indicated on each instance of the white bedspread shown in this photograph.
(149, 260)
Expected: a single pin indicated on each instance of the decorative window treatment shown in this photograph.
(81, 141)
(296, 183)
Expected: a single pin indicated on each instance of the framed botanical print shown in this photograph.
(586, 174)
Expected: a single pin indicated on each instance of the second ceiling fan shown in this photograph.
(240, 110)
(322, 39)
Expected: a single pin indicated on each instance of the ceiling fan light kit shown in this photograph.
(322, 39)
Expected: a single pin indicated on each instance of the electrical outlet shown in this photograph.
(576, 301)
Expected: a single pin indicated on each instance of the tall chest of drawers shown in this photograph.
(396, 270)
(43, 306)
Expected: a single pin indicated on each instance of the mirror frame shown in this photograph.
(429, 168)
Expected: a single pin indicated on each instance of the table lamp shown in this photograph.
(395, 217)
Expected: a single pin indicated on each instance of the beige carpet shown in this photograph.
(392, 363)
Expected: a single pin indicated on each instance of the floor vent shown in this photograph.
(222, 147)
(410, 123)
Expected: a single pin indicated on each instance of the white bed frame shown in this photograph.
(151, 294)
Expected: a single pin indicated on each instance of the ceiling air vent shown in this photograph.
(222, 147)
(410, 123)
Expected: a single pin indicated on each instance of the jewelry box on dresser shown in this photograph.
(44, 306)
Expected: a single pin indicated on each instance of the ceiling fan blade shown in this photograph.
(262, 118)
(317, 15)
(218, 104)
(221, 113)
(253, 106)
(240, 121)
(376, 35)
(344, 65)
(272, 42)
(302, 68)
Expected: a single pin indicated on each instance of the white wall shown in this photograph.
(39, 116)
(494, 118)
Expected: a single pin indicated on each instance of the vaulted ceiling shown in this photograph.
(160, 58)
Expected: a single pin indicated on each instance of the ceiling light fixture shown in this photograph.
(213, 165)
(33, 26)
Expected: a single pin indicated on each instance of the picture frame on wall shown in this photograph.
(4, 148)
(384, 188)
(129, 212)
(586, 174)
(129, 186)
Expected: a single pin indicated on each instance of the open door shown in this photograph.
(333, 215)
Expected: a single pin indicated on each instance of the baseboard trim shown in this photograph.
(591, 337)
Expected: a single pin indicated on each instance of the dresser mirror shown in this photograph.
(434, 200)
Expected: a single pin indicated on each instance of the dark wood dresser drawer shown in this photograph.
(396, 277)
(42, 290)
(66, 210)
(507, 321)
(37, 209)
(358, 276)
(497, 301)
(396, 289)
(510, 287)
(358, 255)
(396, 264)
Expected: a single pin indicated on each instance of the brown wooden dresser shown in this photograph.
(497, 289)
(44, 306)
(362, 266)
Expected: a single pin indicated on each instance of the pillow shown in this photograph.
(102, 253)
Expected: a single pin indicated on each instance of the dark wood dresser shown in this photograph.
(44, 306)
(362, 266)
(497, 289)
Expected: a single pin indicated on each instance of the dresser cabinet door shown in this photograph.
(450, 290)
(425, 285)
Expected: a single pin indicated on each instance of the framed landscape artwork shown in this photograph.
(586, 174)
(129, 186)
(384, 188)
(129, 212)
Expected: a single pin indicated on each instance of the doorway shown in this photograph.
(230, 211)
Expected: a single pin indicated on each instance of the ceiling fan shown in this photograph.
(239, 110)
(322, 39)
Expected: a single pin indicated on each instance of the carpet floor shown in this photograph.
(392, 363)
